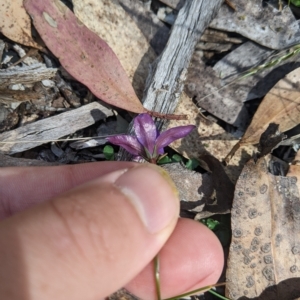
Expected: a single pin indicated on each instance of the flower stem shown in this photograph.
(157, 277)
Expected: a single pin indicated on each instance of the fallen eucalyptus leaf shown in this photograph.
(15, 23)
(110, 22)
(280, 106)
(265, 249)
(83, 54)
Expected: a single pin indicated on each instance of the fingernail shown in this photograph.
(153, 195)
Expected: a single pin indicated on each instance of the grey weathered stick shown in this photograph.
(25, 75)
(52, 128)
(165, 83)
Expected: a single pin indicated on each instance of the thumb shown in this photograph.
(92, 240)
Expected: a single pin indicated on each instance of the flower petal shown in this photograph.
(172, 134)
(145, 131)
(128, 142)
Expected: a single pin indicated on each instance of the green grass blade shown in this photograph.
(217, 295)
(197, 291)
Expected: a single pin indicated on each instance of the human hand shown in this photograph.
(84, 231)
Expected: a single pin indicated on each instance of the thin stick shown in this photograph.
(58, 140)
(230, 4)
(31, 51)
(157, 277)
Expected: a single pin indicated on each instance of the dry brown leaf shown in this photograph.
(280, 106)
(15, 23)
(209, 138)
(264, 258)
(110, 21)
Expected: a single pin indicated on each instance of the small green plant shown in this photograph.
(220, 227)
(210, 223)
(167, 160)
(109, 152)
(192, 164)
(295, 2)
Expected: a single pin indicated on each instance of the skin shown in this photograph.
(84, 231)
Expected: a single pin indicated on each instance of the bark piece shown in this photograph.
(52, 128)
(9, 96)
(216, 36)
(25, 75)
(202, 195)
(176, 4)
(263, 24)
(67, 91)
(166, 82)
(4, 112)
(215, 47)
(11, 121)
(265, 219)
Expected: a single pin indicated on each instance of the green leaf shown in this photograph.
(210, 223)
(109, 152)
(192, 164)
(295, 2)
(176, 158)
(164, 160)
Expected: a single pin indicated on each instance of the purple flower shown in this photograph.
(148, 142)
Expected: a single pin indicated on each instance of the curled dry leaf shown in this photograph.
(15, 23)
(280, 106)
(265, 220)
(83, 54)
